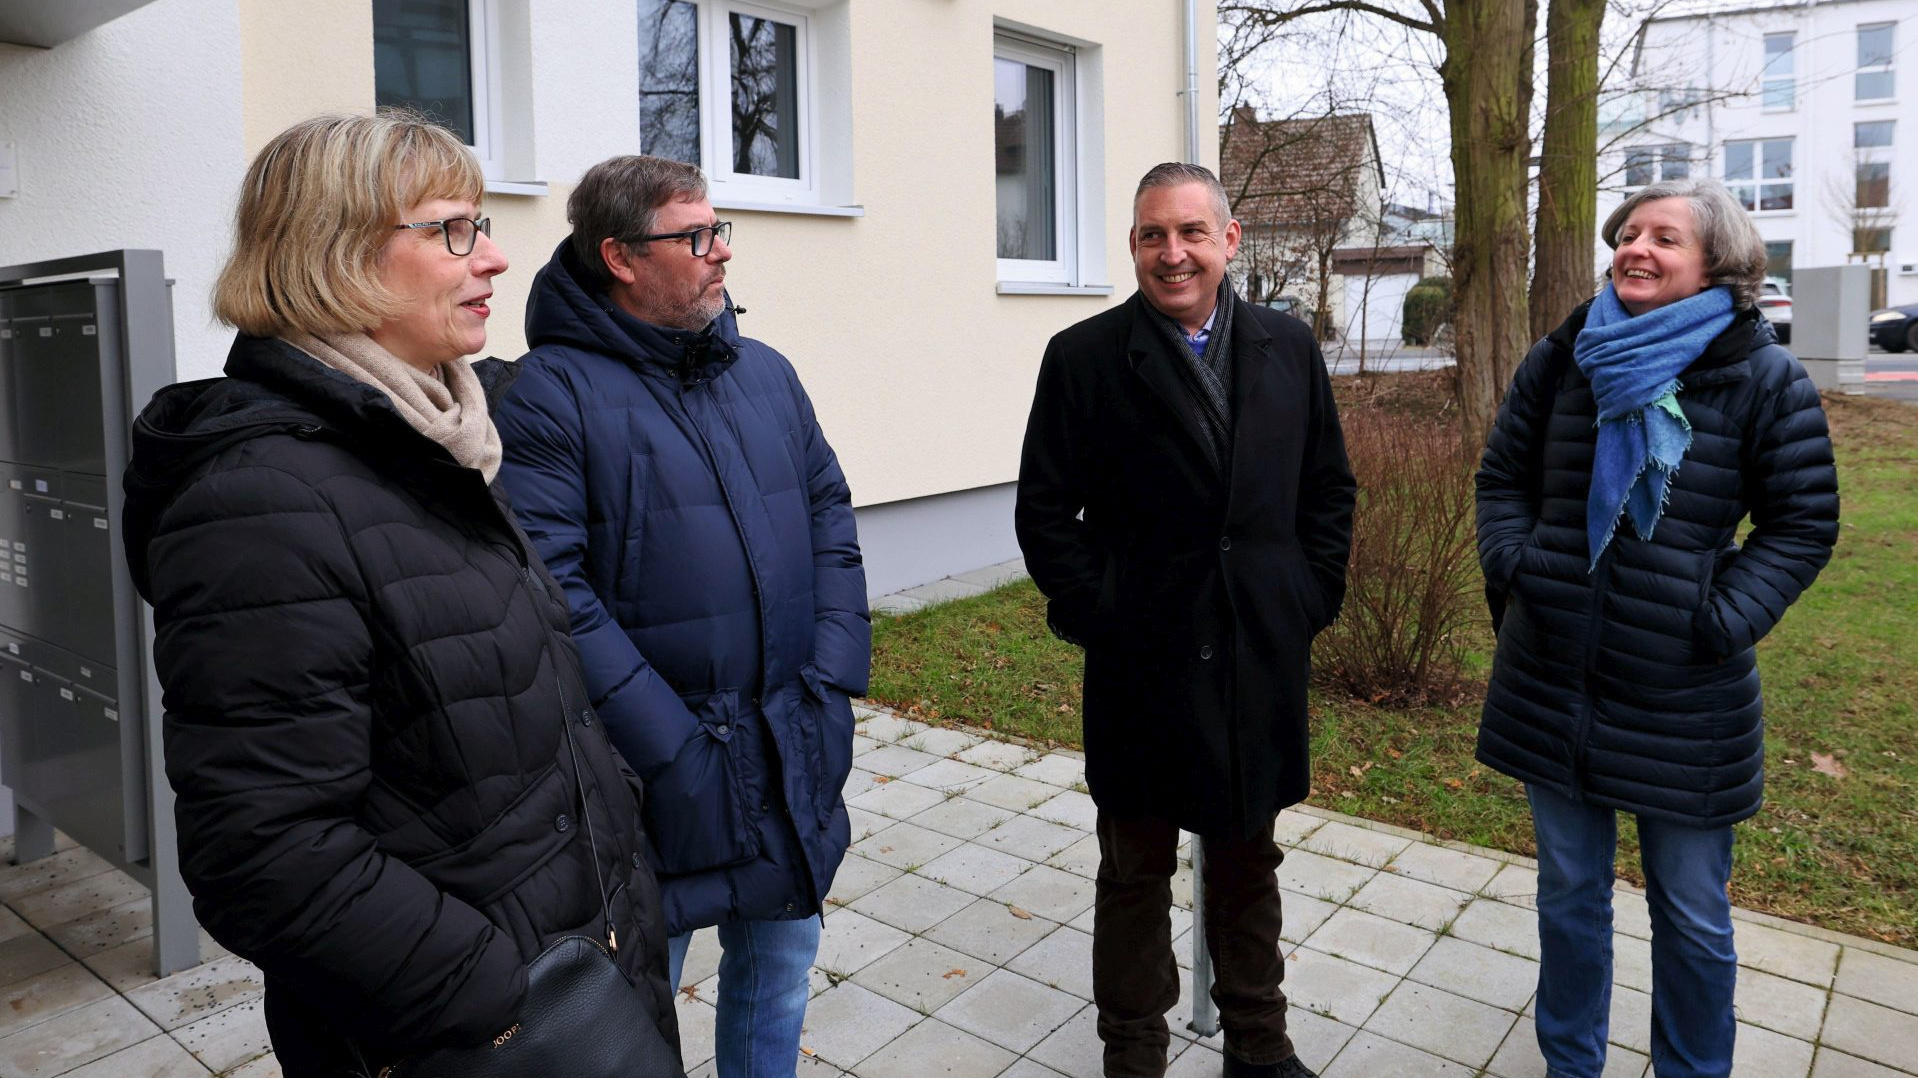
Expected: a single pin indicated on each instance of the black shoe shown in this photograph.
(1284, 1068)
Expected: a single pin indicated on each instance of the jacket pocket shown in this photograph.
(828, 715)
(695, 811)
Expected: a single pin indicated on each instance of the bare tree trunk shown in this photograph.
(1562, 276)
(1487, 75)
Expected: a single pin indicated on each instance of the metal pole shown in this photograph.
(1205, 1014)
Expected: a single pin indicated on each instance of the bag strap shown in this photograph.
(586, 816)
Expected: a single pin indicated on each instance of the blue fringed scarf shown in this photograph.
(1633, 364)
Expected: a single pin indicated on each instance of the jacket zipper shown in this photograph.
(759, 614)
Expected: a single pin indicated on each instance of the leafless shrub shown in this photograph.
(1411, 587)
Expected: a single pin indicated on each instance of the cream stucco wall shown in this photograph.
(137, 135)
(129, 136)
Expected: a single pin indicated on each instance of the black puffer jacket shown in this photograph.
(1635, 685)
(367, 671)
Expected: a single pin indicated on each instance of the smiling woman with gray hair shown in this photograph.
(1634, 441)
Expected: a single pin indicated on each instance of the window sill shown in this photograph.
(1873, 102)
(1041, 288)
(721, 202)
(536, 188)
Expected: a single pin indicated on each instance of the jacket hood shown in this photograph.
(569, 307)
(270, 387)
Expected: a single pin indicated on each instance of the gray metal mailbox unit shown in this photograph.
(79, 354)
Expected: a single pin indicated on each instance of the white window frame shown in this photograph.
(1756, 180)
(1061, 60)
(715, 86)
(1770, 80)
(489, 137)
(1658, 156)
(1886, 68)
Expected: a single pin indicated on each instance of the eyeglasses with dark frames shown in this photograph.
(460, 233)
(699, 240)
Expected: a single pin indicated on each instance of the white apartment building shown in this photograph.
(1808, 111)
(922, 191)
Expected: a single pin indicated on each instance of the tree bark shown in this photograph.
(1563, 277)
(1487, 75)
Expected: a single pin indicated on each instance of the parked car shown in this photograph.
(1895, 329)
(1286, 305)
(1774, 301)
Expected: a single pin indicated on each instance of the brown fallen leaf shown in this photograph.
(1019, 913)
(951, 973)
(885, 849)
(1453, 784)
(881, 780)
(807, 1052)
(1828, 765)
(691, 991)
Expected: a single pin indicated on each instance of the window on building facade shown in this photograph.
(727, 86)
(1870, 241)
(1780, 84)
(1655, 164)
(1874, 80)
(1759, 173)
(438, 57)
(1874, 185)
(1876, 133)
(1778, 259)
(1033, 148)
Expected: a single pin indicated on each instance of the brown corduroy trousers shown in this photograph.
(1135, 979)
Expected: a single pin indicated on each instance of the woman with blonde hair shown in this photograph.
(392, 794)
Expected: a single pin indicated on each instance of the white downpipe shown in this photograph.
(1192, 81)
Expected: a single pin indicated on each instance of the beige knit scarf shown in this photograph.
(447, 404)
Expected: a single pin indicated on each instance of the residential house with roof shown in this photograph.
(1309, 193)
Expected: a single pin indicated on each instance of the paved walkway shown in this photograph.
(957, 943)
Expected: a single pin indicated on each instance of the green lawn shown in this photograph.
(1841, 675)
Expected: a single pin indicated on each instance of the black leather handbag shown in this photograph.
(581, 1017)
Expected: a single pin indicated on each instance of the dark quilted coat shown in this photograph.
(366, 675)
(1196, 595)
(683, 494)
(1635, 686)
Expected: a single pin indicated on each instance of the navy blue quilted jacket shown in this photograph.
(679, 488)
(1635, 685)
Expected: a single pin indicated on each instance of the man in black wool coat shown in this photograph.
(1186, 506)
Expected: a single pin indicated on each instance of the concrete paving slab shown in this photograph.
(703, 954)
(49, 994)
(1074, 1049)
(1631, 1020)
(905, 845)
(1336, 988)
(899, 800)
(887, 729)
(922, 975)
(74, 1039)
(1316, 1038)
(161, 1057)
(852, 941)
(1478, 973)
(1055, 769)
(204, 990)
(896, 761)
(950, 776)
(1013, 792)
(1786, 954)
(228, 1038)
(1031, 838)
(1302, 915)
(1761, 1053)
(1632, 961)
(993, 576)
(962, 818)
(29, 955)
(1869, 1031)
(1081, 858)
(857, 876)
(1047, 892)
(942, 741)
(897, 603)
(975, 869)
(944, 591)
(935, 1048)
(1830, 1063)
(1062, 960)
(1292, 827)
(1887, 982)
(1011, 1011)
(64, 902)
(1500, 926)
(1072, 809)
(1355, 844)
(1323, 877)
(1445, 867)
(998, 755)
(1449, 1026)
(1369, 1055)
(1519, 1057)
(1517, 885)
(913, 903)
(1781, 1005)
(1373, 941)
(1410, 901)
(988, 930)
(56, 870)
(696, 1021)
(847, 1023)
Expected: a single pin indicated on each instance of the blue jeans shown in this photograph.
(1694, 967)
(764, 983)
